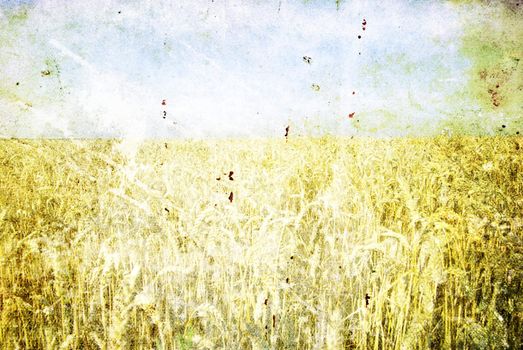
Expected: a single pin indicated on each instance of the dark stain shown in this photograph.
(45, 72)
(231, 173)
(354, 92)
(307, 59)
(517, 146)
(119, 12)
(287, 132)
(292, 257)
(359, 53)
(287, 280)
(273, 321)
(359, 36)
(315, 87)
(164, 114)
(165, 144)
(218, 178)
(503, 126)
(367, 298)
(164, 102)
(167, 210)
(17, 83)
(494, 96)
(266, 302)
(231, 196)
(351, 115)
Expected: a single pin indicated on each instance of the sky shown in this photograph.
(200, 69)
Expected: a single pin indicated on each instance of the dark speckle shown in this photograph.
(517, 132)
(17, 83)
(351, 115)
(167, 210)
(119, 12)
(231, 196)
(354, 92)
(503, 126)
(231, 173)
(46, 72)
(367, 298)
(307, 59)
(359, 36)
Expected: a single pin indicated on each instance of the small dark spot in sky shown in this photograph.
(359, 53)
(287, 131)
(164, 102)
(359, 36)
(231, 197)
(307, 59)
(119, 12)
(354, 92)
(503, 126)
(17, 83)
(351, 115)
(164, 114)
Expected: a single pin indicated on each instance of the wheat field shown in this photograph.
(314, 243)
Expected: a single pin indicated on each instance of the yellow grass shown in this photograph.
(103, 250)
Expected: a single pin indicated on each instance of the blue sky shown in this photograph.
(229, 68)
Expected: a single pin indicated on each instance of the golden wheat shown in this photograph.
(326, 243)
